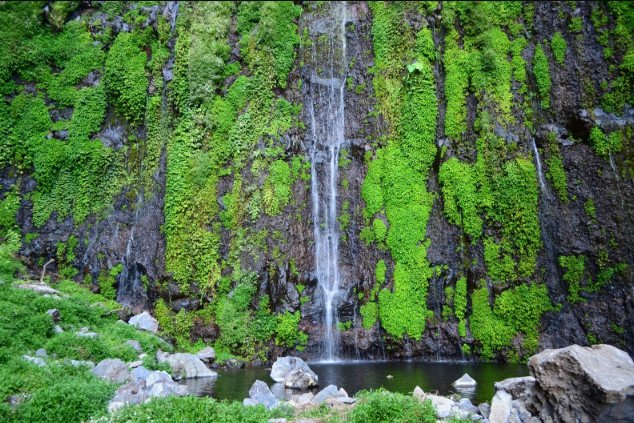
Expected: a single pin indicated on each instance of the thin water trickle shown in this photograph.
(326, 108)
(540, 173)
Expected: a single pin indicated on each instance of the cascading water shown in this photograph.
(326, 109)
(540, 173)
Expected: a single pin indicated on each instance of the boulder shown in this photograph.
(161, 356)
(301, 400)
(40, 288)
(485, 409)
(586, 384)
(35, 360)
(500, 407)
(134, 364)
(466, 405)
(261, 394)
(301, 379)
(188, 366)
(135, 345)
(144, 321)
(167, 388)
(465, 381)
(233, 364)
(157, 376)
(113, 370)
(330, 391)
(55, 315)
(419, 393)
(207, 355)
(139, 373)
(41, 353)
(284, 365)
(444, 406)
(130, 393)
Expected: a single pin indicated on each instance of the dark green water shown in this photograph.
(355, 376)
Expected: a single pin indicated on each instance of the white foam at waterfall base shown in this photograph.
(326, 108)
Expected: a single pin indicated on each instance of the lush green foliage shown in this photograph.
(575, 268)
(384, 406)
(190, 409)
(604, 144)
(287, 334)
(460, 305)
(395, 181)
(541, 70)
(126, 82)
(516, 311)
(59, 391)
(558, 47)
(461, 199)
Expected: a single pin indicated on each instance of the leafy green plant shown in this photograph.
(384, 406)
(541, 70)
(558, 47)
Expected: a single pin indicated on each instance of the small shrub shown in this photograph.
(383, 406)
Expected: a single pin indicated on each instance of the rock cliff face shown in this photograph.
(160, 154)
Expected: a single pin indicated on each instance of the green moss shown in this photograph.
(379, 272)
(541, 70)
(460, 195)
(369, 314)
(590, 209)
(574, 272)
(516, 311)
(603, 144)
(558, 47)
(277, 189)
(575, 24)
(126, 82)
(460, 304)
(396, 177)
(288, 334)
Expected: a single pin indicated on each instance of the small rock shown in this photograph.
(389, 377)
(35, 360)
(86, 333)
(500, 407)
(466, 405)
(330, 391)
(40, 288)
(207, 355)
(261, 394)
(157, 376)
(58, 329)
(142, 356)
(343, 392)
(419, 393)
(161, 357)
(136, 346)
(135, 364)
(284, 365)
(130, 393)
(41, 353)
(301, 400)
(465, 381)
(144, 321)
(139, 373)
(485, 409)
(280, 420)
(113, 370)
(233, 363)
(55, 315)
(188, 366)
(301, 379)
(80, 363)
(248, 402)
(443, 406)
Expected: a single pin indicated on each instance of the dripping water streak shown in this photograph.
(540, 173)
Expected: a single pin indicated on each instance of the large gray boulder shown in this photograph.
(188, 366)
(144, 321)
(586, 384)
(284, 365)
(330, 391)
(501, 406)
(113, 370)
(301, 379)
(261, 394)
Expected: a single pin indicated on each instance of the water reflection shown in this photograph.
(354, 376)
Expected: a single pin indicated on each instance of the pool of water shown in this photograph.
(355, 376)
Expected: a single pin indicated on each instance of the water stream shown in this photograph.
(326, 109)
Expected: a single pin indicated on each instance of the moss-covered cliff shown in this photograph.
(158, 151)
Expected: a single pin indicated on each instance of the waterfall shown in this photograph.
(326, 110)
(540, 173)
